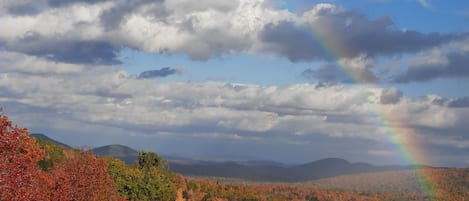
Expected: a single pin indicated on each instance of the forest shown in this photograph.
(34, 169)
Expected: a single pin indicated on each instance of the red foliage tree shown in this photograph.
(81, 176)
(19, 172)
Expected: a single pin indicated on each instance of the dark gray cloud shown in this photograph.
(328, 73)
(355, 32)
(459, 102)
(25, 9)
(456, 67)
(60, 3)
(390, 96)
(293, 41)
(92, 52)
(452, 103)
(69, 51)
(37, 6)
(164, 72)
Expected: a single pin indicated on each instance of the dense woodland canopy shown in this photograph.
(33, 169)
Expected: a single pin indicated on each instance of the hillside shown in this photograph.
(43, 137)
(121, 152)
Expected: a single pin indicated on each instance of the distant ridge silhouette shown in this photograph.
(262, 171)
(43, 137)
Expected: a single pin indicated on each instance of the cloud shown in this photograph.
(60, 3)
(326, 74)
(139, 109)
(53, 34)
(24, 8)
(359, 68)
(112, 18)
(164, 72)
(452, 102)
(327, 31)
(430, 112)
(353, 70)
(292, 41)
(35, 7)
(200, 30)
(390, 96)
(451, 65)
(17, 62)
(111, 97)
(459, 102)
(79, 52)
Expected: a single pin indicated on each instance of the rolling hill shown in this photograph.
(124, 153)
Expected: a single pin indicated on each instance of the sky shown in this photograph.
(377, 81)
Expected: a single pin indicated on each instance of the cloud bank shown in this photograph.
(102, 98)
(59, 72)
(201, 31)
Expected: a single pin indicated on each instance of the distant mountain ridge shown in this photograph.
(267, 171)
(43, 137)
(324, 168)
(263, 171)
(121, 152)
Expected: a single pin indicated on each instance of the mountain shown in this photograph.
(43, 137)
(271, 172)
(331, 167)
(264, 171)
(124, 153)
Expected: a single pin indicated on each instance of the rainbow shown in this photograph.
(398, 134)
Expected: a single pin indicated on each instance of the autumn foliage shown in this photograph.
(81, 177)
(27, 172)
(20, 176)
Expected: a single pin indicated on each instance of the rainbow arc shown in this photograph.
(398, 133)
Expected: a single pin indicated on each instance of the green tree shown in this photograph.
(151, 159)
(149, 179)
